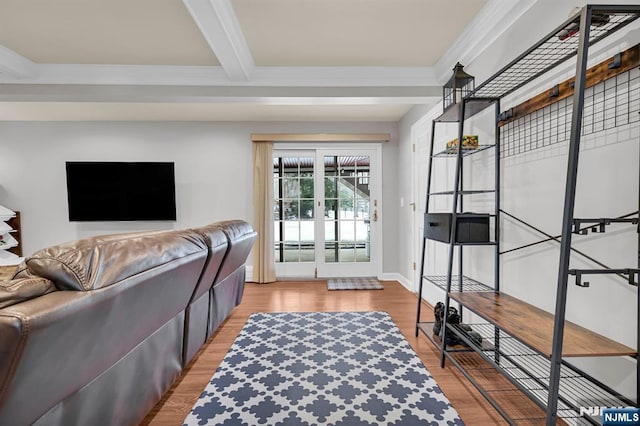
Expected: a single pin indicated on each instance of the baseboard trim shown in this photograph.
(391, 276)
(394, 276)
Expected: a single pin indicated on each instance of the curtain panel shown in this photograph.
(264, 269)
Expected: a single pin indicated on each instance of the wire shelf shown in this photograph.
(612, 103)
(530, 371)
(453, 152)
(467, 192)
(468, 284)
(556, 48)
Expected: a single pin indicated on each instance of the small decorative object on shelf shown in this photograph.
(597, 20)
(459, 85)
(7, 241)
(468, 142)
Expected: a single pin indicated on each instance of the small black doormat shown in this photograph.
(322, 368)
(367, 283)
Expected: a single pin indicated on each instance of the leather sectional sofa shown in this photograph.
(95, 331)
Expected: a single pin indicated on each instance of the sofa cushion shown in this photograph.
(241, 237)
(213, 235)
(98, 262)
(20, 289)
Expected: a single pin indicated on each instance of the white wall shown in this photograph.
(213, 167)
(533, 189)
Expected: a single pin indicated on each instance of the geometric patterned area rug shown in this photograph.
(322, 368)
(367, 283)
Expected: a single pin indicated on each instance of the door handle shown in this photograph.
(375, 215)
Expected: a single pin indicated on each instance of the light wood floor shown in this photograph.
(313, 296)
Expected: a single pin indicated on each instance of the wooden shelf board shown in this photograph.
(534, 327)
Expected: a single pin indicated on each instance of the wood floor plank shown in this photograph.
(313, 296)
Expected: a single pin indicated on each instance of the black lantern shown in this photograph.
(459, 85)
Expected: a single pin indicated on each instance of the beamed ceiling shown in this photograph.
(226, 60)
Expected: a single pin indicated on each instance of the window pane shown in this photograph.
(290, 209)
(306, 188)
(276, 210)
(330, 232)
(331, 252)
(291, 188)
(306, 209)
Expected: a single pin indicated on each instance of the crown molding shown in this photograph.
(490, 22)
(16, 66)
(219, 25)
(216, 76)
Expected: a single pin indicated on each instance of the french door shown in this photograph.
(327, 208)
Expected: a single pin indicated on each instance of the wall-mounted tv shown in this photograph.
(120, 191)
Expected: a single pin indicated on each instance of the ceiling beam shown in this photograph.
(228, 95)
(146, 75)
(220, 27)
(15, 65)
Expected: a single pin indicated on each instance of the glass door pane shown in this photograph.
(293, 180)
(346, 209)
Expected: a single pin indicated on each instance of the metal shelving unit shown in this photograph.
(531, 358)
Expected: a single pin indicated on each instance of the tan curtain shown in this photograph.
(264, 269)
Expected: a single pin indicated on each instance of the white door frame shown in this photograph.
(347, 148)
(420, 139)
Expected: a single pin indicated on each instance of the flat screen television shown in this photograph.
(120, 191)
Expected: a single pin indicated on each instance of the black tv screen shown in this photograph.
(120, 191)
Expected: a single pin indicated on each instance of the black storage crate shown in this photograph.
(471, 227)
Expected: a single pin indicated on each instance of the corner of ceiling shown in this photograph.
(491, 21)
(15, 65)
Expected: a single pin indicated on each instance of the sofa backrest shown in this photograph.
(97, 262)
(241, 237)
(218, 245)
(117, 292)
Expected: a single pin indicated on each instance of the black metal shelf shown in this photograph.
(468, 284)
(530, 372)
(553, 50)
(480, 244)
(541, 374)
(629, 273)
(452, 114)
(484, 243)
(599, 225)
(467, 192)
(453, 152)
